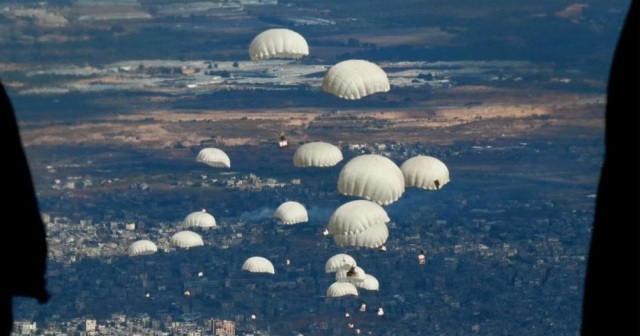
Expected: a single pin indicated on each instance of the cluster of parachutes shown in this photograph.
(184, 239)
(349, 277)
(374, 178)
(350, 79)
(187, 239)
(377, 179)
(290, 212)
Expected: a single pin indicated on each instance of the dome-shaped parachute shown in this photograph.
(369, 283)
(199, 219)
(291, 213)
(317, 154)
(373, 237)
(356, 216)
(142, 247)
(354, 79)
(338, 289)
(186, 239)
(278, 43)
(342, 276)
(338, 262)
(258, 265)
(425, 172)
(214, 157)
(372, 176)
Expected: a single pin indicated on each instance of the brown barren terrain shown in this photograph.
(440, 119)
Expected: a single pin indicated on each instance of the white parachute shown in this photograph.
(355, 79)
(278, 43)
(372, 176)
(369, 283)
(355, 217)
(214, 157)
(373, 237)
(258, 265)
(199, 219)
(291, 212)
(317, 154)
(340, 261)
(186, 239)
(425, 172)
(339, 289)
(142, 247)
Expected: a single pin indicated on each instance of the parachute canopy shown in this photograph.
(214, 157)
(338, 289)
(317, 154)
(355, 79)
(278, 43)
(200, 219)
(142, 247)
(425, 172)
(258, 265)
(369, 283)
(338, 262)
(291, 213)
(355, 217)
(373, 237)
(372, 176)
(186, 239)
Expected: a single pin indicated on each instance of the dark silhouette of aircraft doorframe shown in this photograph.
(611, 297)
(24, 260)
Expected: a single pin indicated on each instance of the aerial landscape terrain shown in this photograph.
(115, 99)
